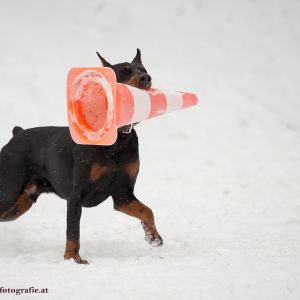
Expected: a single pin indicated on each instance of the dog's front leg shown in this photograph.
(73, 229)
(137, 209)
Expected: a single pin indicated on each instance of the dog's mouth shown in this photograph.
(135, 82)
(148, 85)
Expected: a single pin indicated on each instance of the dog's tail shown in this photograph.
(17, 129)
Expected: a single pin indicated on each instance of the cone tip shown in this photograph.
(189, 99)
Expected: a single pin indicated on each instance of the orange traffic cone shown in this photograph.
(98, 105)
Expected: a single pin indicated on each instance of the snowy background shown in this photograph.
(222, 178)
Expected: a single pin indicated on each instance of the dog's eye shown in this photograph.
(127, 70)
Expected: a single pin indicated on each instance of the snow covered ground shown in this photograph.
(222, 178)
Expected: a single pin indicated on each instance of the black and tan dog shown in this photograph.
(45, 159)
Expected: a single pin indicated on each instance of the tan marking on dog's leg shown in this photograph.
(97, 171)
(22, 205)
(31, 189)
(72, 252)
(137, 209)
(132, 169)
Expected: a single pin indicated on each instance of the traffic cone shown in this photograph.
(98, 105)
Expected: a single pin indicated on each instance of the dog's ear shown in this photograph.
(104, 62)
(137, 58)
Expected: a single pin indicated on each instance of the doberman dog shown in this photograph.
(46, 160)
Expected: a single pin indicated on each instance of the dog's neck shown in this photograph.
(126, 129)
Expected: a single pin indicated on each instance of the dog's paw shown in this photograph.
(155, 241)
(81, 261)
(76, 259)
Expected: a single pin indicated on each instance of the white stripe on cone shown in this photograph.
(142, 105)
(174, 101)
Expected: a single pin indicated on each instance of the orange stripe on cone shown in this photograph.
(189, 99)
(125, 108)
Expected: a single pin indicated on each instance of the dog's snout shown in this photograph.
(145, 80)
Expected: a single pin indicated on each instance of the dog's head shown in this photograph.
(133, 73)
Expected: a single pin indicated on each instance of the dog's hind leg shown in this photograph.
(22, 204)
(17, 184)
